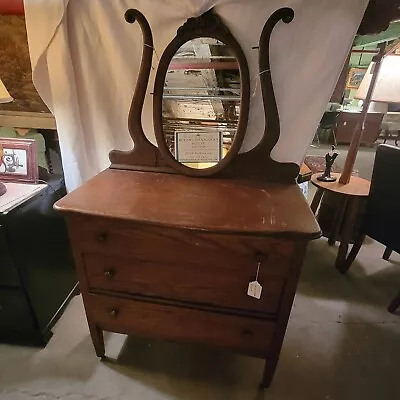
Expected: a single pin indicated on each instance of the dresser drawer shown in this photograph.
(180, 324)
(182, 264)
(146, 242)
(221, 285)
(14, 312)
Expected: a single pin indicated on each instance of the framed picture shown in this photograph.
(355, 77)
(19, 160)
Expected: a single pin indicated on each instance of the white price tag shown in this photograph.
(254, 290)
(198, 147)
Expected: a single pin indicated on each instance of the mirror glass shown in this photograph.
(201, 102)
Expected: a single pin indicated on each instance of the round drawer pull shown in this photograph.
(114, 313)
(101, 237)
(109, 274)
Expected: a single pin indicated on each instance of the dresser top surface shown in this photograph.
(217, 205)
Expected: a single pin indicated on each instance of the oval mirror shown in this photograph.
(201, 100)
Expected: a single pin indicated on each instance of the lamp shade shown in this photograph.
(4, 95)
(387, 88)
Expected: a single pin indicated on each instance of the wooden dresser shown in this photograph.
(347, 122)
(169, 256)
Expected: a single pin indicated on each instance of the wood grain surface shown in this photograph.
(218, 205)
(221, 284)
(193, 266)
(357, 186)
(249, 335)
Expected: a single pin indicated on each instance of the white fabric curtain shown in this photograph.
(85, 60)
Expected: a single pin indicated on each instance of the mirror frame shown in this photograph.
(207, 25)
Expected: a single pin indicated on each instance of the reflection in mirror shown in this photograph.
(201, 102)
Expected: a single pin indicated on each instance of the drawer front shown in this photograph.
(14, 311)
(182, 264)
(180, 324)
(145, 242)
(223, 285)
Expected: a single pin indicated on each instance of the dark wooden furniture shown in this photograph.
(37, 276)
(170, 256)
(382, 217)
(304, 174)
(349, 197)
(256, 164)
(165, 255)
(378, 16)
(347, 122)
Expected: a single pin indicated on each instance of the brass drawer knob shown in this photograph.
(109, 274)
(114, 313)
(101, 237)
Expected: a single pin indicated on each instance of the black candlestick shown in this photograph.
(329, 160)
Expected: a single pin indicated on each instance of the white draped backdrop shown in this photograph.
(85, 60)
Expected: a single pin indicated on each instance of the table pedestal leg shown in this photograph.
(316, 200)
(337, 220)
(350, 219)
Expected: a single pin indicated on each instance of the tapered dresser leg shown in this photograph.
(269, 370)
(98, 339)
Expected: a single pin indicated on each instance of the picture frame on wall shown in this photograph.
(19, 161)
(355, 77)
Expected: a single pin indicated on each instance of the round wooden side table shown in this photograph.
(346, 213)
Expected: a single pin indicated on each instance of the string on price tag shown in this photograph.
(255, 289)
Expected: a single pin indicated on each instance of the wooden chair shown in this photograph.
(382, 217)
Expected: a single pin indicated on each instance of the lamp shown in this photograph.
(387, 87)
(372, 78)
(4, 95)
